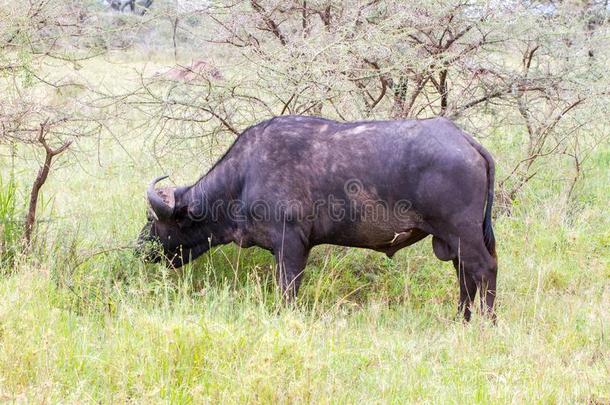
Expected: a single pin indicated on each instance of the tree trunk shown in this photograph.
(41, 178)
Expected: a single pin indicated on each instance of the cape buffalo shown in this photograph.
(293, 182)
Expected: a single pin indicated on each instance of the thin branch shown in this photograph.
(271, 25)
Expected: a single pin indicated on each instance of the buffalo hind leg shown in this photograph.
(468, 289)
(291, 257)
(480, 267)
(487, 287)
(476, 269)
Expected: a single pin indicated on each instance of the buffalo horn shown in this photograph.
(158, 206)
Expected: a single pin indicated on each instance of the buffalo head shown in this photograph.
(172, 232)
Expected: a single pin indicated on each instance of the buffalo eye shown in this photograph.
(184, 222)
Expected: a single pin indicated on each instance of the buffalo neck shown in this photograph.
(216, 192)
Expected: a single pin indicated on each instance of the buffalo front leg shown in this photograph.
(291, 257)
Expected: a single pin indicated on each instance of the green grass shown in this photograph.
(10, 225)
(82, 320)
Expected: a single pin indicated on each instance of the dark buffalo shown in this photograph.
(291, 183)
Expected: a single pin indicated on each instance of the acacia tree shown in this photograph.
(527, 67)
(44, 112)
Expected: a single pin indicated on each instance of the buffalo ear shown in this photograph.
(182, 208)
(191, 205)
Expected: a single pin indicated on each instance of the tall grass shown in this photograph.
(88, 324)
(11, 223)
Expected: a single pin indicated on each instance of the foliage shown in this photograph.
(493, 68)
